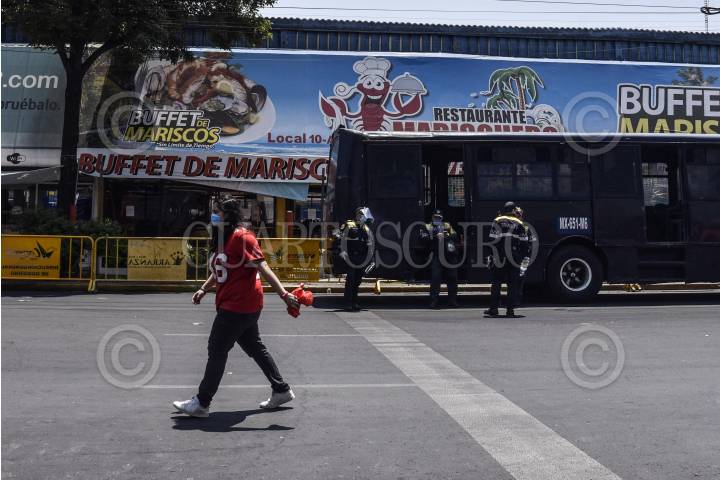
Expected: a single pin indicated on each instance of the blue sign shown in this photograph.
(269, 102)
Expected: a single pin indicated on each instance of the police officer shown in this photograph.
(532, 239)
(441, 241)
(510, 259)
(357, 247)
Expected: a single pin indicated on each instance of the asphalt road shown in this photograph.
(393, 392)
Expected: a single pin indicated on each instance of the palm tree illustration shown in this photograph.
(694, 77)
(509, 88)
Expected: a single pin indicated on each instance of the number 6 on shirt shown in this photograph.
(217, 263)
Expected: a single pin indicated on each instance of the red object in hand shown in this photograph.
(304, 297)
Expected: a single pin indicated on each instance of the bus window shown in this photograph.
(573, 178)
(655, 184)
(517, 172)
(456, 184)
(703, 170)
(615, 175)
(393, 170)
(534, 180)
(495, 180)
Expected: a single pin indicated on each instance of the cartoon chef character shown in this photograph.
(372, 79)
(375, 91)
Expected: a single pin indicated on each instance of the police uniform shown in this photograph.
(444, 259)
(532, 240)
(356, 240)
(512, 247)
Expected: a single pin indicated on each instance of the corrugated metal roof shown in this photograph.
(504, 41)
(675, 36)
(526, 42)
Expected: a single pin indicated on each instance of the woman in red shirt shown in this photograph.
(237, 263)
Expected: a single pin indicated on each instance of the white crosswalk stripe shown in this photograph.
(521, 444)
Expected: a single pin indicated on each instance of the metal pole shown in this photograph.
(707, 25)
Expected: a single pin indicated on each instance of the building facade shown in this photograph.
(255, 123)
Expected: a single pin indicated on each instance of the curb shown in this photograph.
(318, 287)
(338, 289)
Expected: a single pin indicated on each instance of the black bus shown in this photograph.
(624, 209)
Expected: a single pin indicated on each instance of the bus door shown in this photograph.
(394, 179)
(664, 256)
(444, 187)
(663, 194)
(618, 210)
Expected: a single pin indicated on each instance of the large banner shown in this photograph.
(270, 103)
(33, 100)
(285, 104)
(33, 258)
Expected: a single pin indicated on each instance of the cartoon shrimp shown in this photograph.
(375, 90)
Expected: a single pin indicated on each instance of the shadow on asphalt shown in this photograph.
(531, 299)
(219, 422)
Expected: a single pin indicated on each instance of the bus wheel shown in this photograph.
(575, 273)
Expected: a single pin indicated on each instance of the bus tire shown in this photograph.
(575, 273)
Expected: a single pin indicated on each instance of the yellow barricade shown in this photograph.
(157, 259)
(48, 258)
(293, 259)
(142, 259)
(176, 259)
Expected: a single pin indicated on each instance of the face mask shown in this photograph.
(436, 221)
(215, 219)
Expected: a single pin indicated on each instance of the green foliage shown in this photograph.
(509, 87)
(140, 28)
(81, 31)
(45, 222)
(694, 77)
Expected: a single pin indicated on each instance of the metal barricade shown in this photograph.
(176, 259)
(293, 259)
(142, 259)
(49, 258)
(157, 259)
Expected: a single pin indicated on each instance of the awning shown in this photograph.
(290, 190)
(31, 177)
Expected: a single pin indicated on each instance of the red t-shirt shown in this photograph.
(238, 286)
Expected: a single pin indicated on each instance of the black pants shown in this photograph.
(436, 270)
(509, 275)
(352, 285)
(227, 329)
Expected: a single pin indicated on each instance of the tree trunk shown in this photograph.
(70, 136)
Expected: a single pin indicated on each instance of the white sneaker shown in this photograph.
(192, 407)
(277, 399)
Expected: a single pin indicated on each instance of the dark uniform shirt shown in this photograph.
(357, 241)
(449, 243)
(513, 239)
